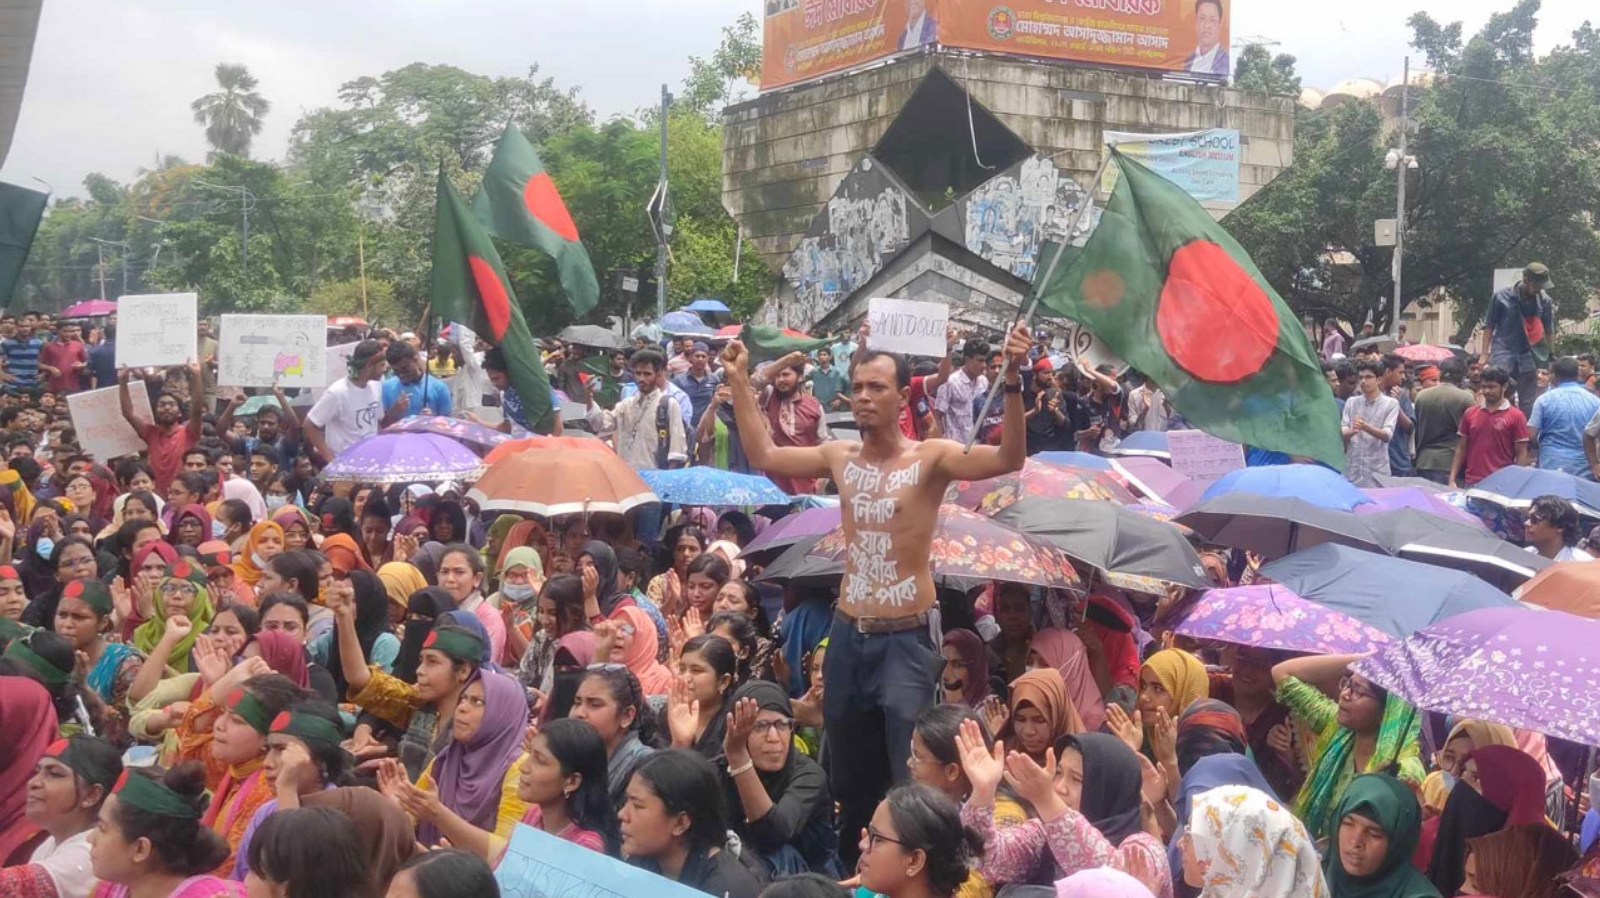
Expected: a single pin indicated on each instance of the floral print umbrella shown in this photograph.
(968, 545)
(1272, 617)
(1037, 479)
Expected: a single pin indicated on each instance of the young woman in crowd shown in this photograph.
(562, 780)
(308, 853)
(698, 706)
(387, 837)
(303, 758)
(287, 614)
(461, 575)
(191, 526)
(666, 589)
(83, 618)
(446, 873)
(520, 578)
(1208, 773)
(917, 845)
(265, 542)
(610, 699)
(1255, 700)
(1222, 850)
(291, 571)
(1463, 739)
(71, 559)
(674, 825)
(1040, 714)
(964, 679)
(48, 659)
(568, 666)
(756, 653)
(182, 592)
(225, 586)
(150, 839)
(1013, 612)
(370, 618)
(63, 797)
(707, 574)
(629, 638)
(1379, 822)
(1064, 651)
(297, 531)
(400, 580)
(558, 612)
(1497, 786)
(603, 595)
(779, 799)
(1526, 861)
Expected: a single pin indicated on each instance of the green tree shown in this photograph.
(233, 115)
(712, 83)
(1258, 69)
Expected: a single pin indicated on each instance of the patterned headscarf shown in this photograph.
(1250, 846)
(976, 658)
(1209, 727)
(1397, 744)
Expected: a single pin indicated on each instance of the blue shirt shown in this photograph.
(685, 405)
(1400, 443)
(699, 391)
(1508, 346)
(1560, 416)
(428, 392)
(827, 383)
(103, 363)
(22, 361)
(511, 407)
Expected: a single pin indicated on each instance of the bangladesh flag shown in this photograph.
(20, 211)
(1172, 293)
(470, 286)
(520, 204)
(766, 343)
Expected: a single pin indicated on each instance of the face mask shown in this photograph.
(44, 547)
(520, 592)
(1449, 779)
(218, 530)
(276, 502)
(257, 560)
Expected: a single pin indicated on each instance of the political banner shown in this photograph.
(157, 330)
(272, 350)
(803, 39)
(1202, 457)
(97, 417)
(539, 865)
(1149, 34)
(1204, 164)
(908, 327)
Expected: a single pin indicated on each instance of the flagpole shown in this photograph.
(1033, 305)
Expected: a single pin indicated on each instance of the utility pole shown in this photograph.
(247, 201)
(100, 251)
(100, 266)
(663, 229)
(1402, 164)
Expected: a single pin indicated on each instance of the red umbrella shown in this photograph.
(347, 321)
(734, 330)
(1421, 353)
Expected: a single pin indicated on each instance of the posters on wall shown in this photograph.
(1205, 164)
(156, 330)
(1007, 218)
(272, 350)
(908, 327)
(97, 418)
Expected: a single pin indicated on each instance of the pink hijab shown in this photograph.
(641, 657)
(1064, 651)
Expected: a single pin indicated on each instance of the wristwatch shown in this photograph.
(1014, 388)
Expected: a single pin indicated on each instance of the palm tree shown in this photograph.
(232, 115)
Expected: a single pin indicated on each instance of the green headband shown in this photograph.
(250, 708)
(308, 728)
(69, 752)
(182, 569)
(458, 643)
(11, 630)
(90, 592)
(53, 675)
(147, 795)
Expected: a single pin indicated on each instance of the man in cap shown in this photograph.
(1518, 331)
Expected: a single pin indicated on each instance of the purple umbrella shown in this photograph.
(405, 458)
(1272, 617)
(1421, 500)
(1156, 479)
(480, 438)
(1524, 668)
(795, 528)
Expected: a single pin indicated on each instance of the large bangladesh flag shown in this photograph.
(520, 204)
(470, 286)
(1172, 293)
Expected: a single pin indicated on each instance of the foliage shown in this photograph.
(233, 115)
(1506, 175)
(712, 82)
(380, 307)
(1258, 69)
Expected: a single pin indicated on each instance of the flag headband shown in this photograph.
(144, 793)
(52, 675)
(92, 593)
(463, 645)
(308, 728)
(250, 709)
(67, 751)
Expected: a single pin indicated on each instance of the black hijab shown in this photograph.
(426, 559)
(770, 696)
(423, 608)
(1111, 783)
(372, 621)
(1466, 815)
(605, 564)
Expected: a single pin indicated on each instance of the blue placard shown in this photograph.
(539, 865)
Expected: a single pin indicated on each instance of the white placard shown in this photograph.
(156, 330)
(267, 350)
(97, 417)
(1506, 277)
(908, 327)
(1202, 457)
(1079, 343)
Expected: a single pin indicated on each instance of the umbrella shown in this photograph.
(730, 331)
(1391, 498)
(785, 532)
(254, 404)
(1383, 342)
(1085, 460)
(1272, 617)
(1273, 526)
(89, 308)
(1120, 543)
(706, 304)
(513, 447)
(795, 562)
(591, 335)
(479, 438)
(1418, 352)
(1390, 481)
(1152, 443)
(1309, 483)
(1040, 479)
(404, 458)
(1397, 596)
(1451, 543)
(681, 322)
(966, 544)
(1515, 486)
(710, 486)
(1156, 480)
(339, 321)
(1570, 586)
(561, 481)
(1512, 666)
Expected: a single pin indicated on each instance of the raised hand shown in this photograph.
(121, 600)
(1035, 784)
(984, 768)
(1129, 729)
(405, 545)
(591, 583)
(176, 629)
(392, 780)
(1141, 866)
(693, 625)
(605, 639)
(736, 359)
(995, 713)
(736, 739)
(1164, 738)
(362, 746)
(1152, 782)
(296, 771)
(1281, 740)
(683, 714)
(676, 638)
(210, 658)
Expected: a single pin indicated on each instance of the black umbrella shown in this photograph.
(1390, 481)
(796, 563)
(1429, 538)
(1111, 538)
(591, 335)
(1274, 526)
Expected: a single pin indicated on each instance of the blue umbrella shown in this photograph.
(681, 322)
(1397, 596)
(1076, 460)
(709, 486)
(1144, 442)
(1517, 487)
(1309, 483)
(706, 304)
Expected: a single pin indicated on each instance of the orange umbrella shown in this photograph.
(1570, 586)
(554, 481)
(512, 447)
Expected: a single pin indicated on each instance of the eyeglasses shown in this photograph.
(179, 589)
(874, 837)
(625, 630)
(783, 727)
(1348, 684)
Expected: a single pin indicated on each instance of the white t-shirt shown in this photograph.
(68, 865)
(347, 413)
(1567, 553)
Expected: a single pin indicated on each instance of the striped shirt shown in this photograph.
(22, 361)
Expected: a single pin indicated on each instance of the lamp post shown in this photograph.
(1399, 162)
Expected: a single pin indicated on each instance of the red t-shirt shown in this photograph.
(62, 356)
(910, 417)
(166, 451)
(1492, 438)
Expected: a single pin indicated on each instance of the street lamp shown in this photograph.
(1399, 162)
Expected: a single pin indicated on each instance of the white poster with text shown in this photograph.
(272, 350)
(157, 330)
(907, 326)
(97, 417)
(1202, 457)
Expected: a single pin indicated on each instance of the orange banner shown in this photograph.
(1171, 35)
(803, 39)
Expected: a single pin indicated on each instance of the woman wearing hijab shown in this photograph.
(183, 590)
(1208, 773)
(1041, 713)
(1466, 737)
(28, 719)
(629, 638)
(424, 609)
(1365, 727)
(242, 489)
(965, 679)
(1243, 844)
(1370, 855)
(1209, 727)
(191, 526)
(1170, 681)
(265, 541)
(1113, 625)
(378, 646)
(1499, 787)
(520, 576)
(296, 524)
(344, 553)
(284, 655)
(1521, 861)
(1064, 651)
(385, 832)
(608, 593)
(1101, 882)
(569, 663)
(338, 515)
(426, 559)
(400, 580)
(782, 808)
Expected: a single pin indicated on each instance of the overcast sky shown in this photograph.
(112, 80)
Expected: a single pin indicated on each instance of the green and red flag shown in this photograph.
(520, 204)
(470, 286)
(766, 343)
(1176, 296)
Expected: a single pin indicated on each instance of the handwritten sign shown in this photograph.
(539, 865)
(1078, 343)
(1202, 457)
(908, 327)
(157, 329)
(267, 350)
(102, 431)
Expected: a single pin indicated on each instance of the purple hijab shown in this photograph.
(469, 774)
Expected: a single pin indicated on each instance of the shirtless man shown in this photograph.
(882, 666)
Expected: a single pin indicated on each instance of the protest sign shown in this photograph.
(156, 330)
(1078, 343)
(908, 327)
(97, 418)
(539, 865)
(336, 364)
(272, 350)
(1202, 457)
(1506, 277)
